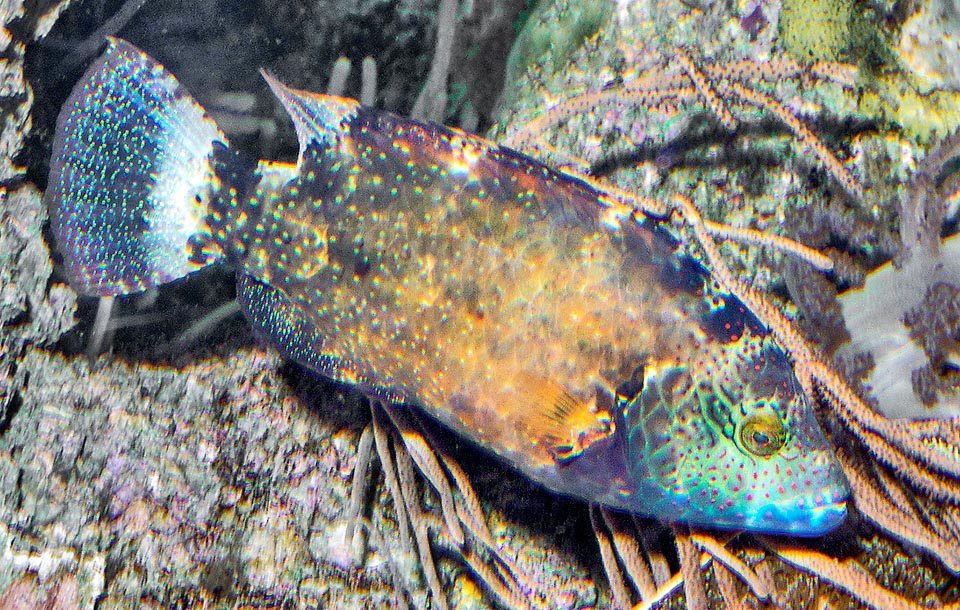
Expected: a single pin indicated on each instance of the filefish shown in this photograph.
(571, 336)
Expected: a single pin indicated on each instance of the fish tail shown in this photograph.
(132, 177)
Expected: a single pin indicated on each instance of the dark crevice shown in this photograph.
(13, 407)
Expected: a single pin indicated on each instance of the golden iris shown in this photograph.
(762, 435)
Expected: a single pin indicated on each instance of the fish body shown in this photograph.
(518, 306)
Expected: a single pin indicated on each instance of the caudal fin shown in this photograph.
(131, 176)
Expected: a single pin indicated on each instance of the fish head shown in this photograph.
(730, 440)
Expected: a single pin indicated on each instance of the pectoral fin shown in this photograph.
(558, 420)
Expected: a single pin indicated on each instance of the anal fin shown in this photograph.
(277, 318)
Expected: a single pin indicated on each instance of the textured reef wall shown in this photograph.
(171, 476)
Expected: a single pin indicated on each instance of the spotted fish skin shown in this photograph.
(518, 306)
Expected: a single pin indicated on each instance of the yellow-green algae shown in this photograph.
(815, 30)
(892, 88)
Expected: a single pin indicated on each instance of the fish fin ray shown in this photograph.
(565, 424)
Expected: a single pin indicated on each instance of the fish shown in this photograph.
(524, 309)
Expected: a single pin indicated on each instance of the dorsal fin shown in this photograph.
(563, 423)
(317, 118)
(131, 176)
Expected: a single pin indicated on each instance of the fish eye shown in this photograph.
(762, 435)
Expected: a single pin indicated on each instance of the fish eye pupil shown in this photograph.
(762, 435)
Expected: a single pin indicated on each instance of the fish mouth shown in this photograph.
(802, 521)
(824, 519)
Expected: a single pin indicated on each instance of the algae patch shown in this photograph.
(817, 30)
